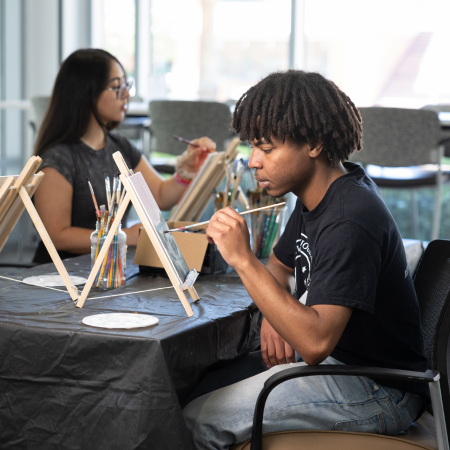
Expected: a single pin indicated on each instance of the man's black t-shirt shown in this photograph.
(348, 251)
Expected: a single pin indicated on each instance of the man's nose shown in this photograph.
(254, 161)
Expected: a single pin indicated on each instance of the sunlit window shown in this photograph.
(119, 32)
(216, 49)
(388, 52)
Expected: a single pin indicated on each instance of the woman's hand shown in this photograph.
(133, 234)
(189, 163)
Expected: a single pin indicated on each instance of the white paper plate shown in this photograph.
(120, 320)
(52, 280)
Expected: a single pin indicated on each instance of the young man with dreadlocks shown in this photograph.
(337, 288)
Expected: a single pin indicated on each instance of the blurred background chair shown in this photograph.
(443, 112)
(401, 149)
(432, 284)
(190, 120)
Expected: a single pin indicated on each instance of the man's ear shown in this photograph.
(316, 148)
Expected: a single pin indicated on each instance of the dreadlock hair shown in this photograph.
(304, 106)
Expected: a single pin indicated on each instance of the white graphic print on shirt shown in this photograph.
(303, 253)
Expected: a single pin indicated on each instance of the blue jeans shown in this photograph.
(345, 403)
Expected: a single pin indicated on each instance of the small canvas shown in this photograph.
(198, 195)
(154, 213)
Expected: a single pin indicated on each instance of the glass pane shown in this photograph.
(388, 52)
(119, 29)
(215, 50)
(252, 40)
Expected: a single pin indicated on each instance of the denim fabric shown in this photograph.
(224, 417)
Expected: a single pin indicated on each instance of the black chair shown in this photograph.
(444, 120)
(401, 149)
(432, 283)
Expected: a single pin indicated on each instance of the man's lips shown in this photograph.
(262, 183)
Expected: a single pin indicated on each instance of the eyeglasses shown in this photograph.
(121, 90)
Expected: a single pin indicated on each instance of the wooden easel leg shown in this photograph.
(73, 291)
(184, 301)
(193, 293)
(105, 247)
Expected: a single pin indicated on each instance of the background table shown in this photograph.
(65, 385)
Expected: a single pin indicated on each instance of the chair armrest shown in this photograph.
(327, 369)
(360, 371)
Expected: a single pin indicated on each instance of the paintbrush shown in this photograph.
(242, 214)
(186, 141)
(93, 198)
(108, 191)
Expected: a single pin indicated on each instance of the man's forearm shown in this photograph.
(285, 279)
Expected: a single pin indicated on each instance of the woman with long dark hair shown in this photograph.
(89, 100)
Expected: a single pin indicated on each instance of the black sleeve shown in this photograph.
(346, 268)
(60, 158)
(130, 153)
(284, 250)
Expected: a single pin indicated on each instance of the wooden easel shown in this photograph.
(15, 196)
(132, 195)
(198, 195)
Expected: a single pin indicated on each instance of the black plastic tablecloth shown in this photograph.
(65, 385)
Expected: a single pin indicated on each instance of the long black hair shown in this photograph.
(80, 81)
(304, 106)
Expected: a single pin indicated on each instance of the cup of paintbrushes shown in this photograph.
(112, 272)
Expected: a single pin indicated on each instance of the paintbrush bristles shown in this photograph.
(97, 212)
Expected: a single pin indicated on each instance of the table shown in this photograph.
(64, 385)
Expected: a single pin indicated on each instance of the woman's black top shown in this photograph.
(77, 162)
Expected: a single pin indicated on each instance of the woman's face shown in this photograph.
(109, 107)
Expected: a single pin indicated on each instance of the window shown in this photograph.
(387, 53)
(216, 50)
(119, 32)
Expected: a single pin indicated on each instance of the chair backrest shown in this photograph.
(440, 107)
(190, 120)
(432, 284)
(39, 105)
(397, 137)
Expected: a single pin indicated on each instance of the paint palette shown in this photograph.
(52, 280)
(120, 320)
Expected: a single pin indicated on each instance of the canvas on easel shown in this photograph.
(15, 197)
(198, 195)
(150, 215)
